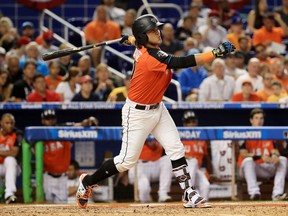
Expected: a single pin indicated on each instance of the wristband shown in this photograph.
(207, 56)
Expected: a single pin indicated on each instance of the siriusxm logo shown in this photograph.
(77, 134)
(242, 135)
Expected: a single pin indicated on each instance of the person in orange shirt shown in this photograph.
(99, 30)
(57, 160)
(259, 158)
(236, 30)
(246, 94)
(196, 152)
(280, 73)
(9, 148)
(53, 79)
(152, 166)
(266, 91)
(268, 32)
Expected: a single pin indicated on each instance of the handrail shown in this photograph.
(66, 25)
(160, 5)
(178, 89)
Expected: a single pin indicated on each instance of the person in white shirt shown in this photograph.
(231, 69)
(218, 86)
(253, 74)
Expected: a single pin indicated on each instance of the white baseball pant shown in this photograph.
(198, 178)
(137, 124)
(251, 170)
(55, 188)
(152, 171)
(9, 170)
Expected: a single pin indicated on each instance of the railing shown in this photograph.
(159, 5)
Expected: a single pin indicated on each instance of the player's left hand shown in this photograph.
(125, 40)
(223, 49)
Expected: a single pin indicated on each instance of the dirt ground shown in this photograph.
(129, 209)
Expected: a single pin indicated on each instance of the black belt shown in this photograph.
(56, 175)
(147, 107)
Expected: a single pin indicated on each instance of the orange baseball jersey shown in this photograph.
(151, 151)
(57, 156)
(258, 148)
(7, 142)
(196, 149)
(151, 69)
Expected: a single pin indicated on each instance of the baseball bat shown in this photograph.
(69, 51)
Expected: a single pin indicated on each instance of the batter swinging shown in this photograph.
(144, 112)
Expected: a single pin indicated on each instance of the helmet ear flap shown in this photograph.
(142, 39)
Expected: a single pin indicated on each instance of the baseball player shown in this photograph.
(195, 153)
(152, 166)
(144, 112)
(259, 158)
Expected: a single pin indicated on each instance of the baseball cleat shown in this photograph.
(83, 193)
(194, 200)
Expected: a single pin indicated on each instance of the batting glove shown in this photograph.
(223, 49)
(125, 40)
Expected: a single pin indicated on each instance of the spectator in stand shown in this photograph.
(94, 31)
(255, 16)
(13, 67)
(218, 86)
(20, 46)
(114, 13)
(5, 86)
(240, 60)
(196, 154)
(73, 180)
(197, 21)
(245, 47)
(188, 44)
(236, 30)
(23, 87)
(70, 85)
(57, 159)
(280, 73)
(197, 36)
(129, 18)
(204, 11)
(191, 78)
(120, 93)
(8, 34)
(266, 91)
(41, 93)
(268, 33)
(184, 31)
(152, 166)
(65, 62)
(32, 52)
(45, 42)
(259, 158)
(169, 43)
(104, 84)
(85, 66)
(27, 30)
(213, 33)
(53, 79)
(283, 11)
(253, 75)
(231, 67)
(226, 13)
(10, 140)
(277, 92)
(2, 57)
(86, 93)
(247, 94)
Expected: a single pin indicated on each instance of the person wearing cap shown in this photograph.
(86, 93)
(196, 153)
(213, 33)
(236, 30)
(191, 78)
(120, 93)
(41, 93)
(45, 42)
(247, 94)
(56, 158)
(253, 69)
(268, 33)
(27, 29)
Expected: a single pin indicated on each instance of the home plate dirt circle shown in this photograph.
(145, 209)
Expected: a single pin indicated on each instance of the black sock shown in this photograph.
(106, 170)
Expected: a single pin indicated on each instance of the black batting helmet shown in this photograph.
(143, 24)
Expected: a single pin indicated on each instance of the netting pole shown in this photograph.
(39, 151)
(26, 172)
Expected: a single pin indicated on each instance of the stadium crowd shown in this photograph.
(256, 72)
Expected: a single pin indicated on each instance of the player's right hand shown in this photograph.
(223, 49)
(125, 40)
